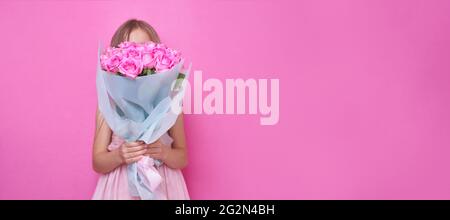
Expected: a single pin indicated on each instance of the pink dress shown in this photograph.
(114, 185)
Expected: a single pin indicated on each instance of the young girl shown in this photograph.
(111, 154)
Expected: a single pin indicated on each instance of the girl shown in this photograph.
(111, 154)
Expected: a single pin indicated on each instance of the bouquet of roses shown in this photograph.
(140, 89)
(133, 60)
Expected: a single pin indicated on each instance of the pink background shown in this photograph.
(364, 96)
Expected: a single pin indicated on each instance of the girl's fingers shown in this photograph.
(135, 154)
(137, 148)
(133, 144)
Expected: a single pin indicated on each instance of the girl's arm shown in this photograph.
(105, 161)
(175, 157)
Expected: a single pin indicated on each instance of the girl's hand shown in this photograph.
(131, 152)
(157, 150)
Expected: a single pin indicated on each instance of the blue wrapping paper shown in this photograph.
(144, 108)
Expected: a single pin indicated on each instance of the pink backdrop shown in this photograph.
(364, 96)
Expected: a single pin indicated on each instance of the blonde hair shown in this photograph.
(123, 32)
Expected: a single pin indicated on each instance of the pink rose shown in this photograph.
(148, 56)
(167, 59)
(111, 59)
(131, 67)
(159, 51)
(163, 63)
(133, 52)
(176, 56)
